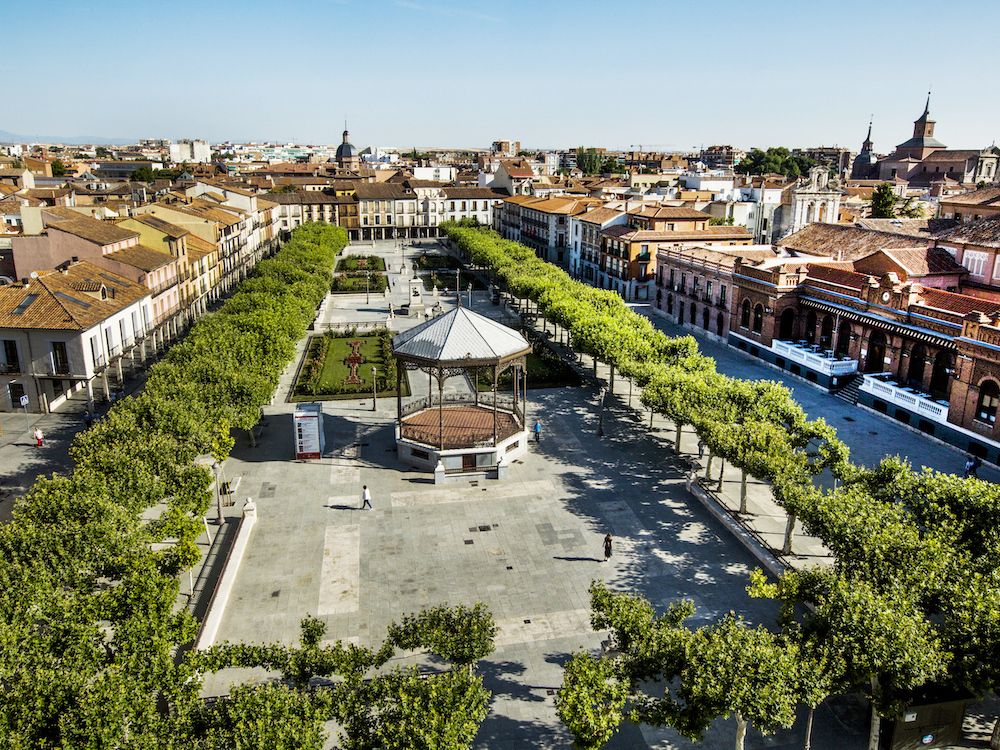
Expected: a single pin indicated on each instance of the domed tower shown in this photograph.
(347, 153)
(864, 163)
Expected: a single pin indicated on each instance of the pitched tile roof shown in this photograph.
(668, 212)
(708, 234)
(961, 304)
(171, 230)
(912, 227)
(144, 258)
(60, 302)
(951, 155)
(836, 276)
(925, 261)
(982, 232)
(842, 242)
(92, 230)
(198, 248)
(985, 197)
(600, 215)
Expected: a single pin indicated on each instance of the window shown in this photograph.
(745, 317)
(684, 282)
(975, 261)
(989, 398)
(758, 318)
(453, 205)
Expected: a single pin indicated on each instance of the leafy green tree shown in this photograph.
(882, 204)
(589, 160)
(610, 165)
(591, 702)
(101, 153)
(142, 174)
(718, 221)
(776, 160)
(58, 168)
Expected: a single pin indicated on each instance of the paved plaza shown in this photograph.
(527, 547)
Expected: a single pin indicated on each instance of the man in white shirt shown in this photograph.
(366, 498)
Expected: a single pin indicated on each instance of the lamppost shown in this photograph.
(600, 421)
(368, 277)
(374, 395)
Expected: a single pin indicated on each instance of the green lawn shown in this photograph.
(336, 370)
(360, 263)
(343, 284)
(543, 372)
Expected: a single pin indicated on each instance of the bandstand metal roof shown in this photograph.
(460, 336)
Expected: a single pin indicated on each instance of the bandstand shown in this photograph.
(457, 433)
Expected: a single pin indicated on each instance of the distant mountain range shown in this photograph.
(78, 140)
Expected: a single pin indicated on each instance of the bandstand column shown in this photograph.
(440, 410)
(495, 377)
(399, 392)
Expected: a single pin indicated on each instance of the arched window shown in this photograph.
(758, 318)
(745, 317)
(989, 398)
(694, 313)
(670, 304)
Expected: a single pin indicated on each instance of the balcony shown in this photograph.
(819, 360)
(884, 386)
(11, 368)
(59, 368)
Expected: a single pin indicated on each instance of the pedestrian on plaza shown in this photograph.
(538, 432)
(88, 420)
(388, 267)
(701, 448)
(37, 434)
(366, 498)
(607, 547)
(972, 467)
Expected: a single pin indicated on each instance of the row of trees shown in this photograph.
(776, 160)
(92, 559)
(593, 161)
(913, 596)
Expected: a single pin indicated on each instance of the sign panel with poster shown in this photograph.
(309, 439)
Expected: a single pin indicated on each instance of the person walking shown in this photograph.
(538, 432)
(37, 434)
(607, 547)
(972, 467)
(366, 498)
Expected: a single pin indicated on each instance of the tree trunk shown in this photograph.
(875, 728)
(809, 729)
(612, 389)
(651, 418)
(786, 548)
(743, 491)
(708, 466)
(677, 442)
(741, 730)
(595, 366)
(722, 471)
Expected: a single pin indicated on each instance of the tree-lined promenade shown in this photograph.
(912, 598)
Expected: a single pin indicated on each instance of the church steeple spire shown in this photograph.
(866, 147)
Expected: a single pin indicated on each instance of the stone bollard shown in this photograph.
(503, 468)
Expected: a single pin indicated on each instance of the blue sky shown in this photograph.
(462, 73)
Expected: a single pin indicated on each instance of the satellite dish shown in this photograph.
(34, 274)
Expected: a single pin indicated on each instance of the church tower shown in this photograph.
(923, 143)
(864, 163)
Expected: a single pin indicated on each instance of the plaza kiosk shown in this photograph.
(456, 433)
(309, 439)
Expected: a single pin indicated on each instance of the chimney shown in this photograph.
(74, 259)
